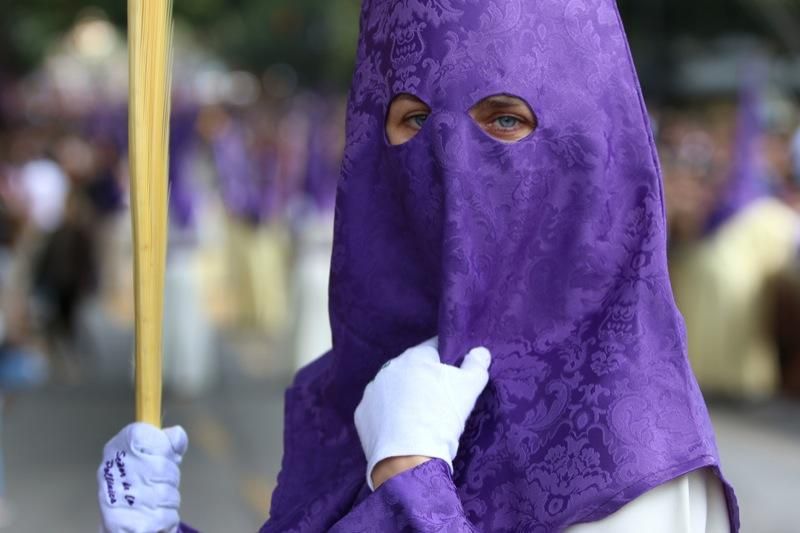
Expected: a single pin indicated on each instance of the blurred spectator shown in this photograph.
(65, 274)
(785, 290)
(723, 268)
(21, 366)
(42, 181)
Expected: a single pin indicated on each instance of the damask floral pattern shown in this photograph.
(550, 251)
(422, 499)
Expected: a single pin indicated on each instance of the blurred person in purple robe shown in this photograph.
(794, 150)
(313, 231)
(746, 183)
(188, 332)
(501, 193)
(250, 175)
(102, 146)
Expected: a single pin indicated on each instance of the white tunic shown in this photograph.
(693, 503)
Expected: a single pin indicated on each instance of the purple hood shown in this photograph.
(551, 252)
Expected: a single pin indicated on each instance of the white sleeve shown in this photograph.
(693, 503)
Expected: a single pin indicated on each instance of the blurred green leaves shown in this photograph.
(316, 37)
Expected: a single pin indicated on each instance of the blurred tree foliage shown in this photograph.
(654, 25)
(317, 37)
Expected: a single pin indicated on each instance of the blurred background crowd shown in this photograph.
(257, 134)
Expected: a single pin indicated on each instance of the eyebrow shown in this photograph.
(407, 98)
(501, 102)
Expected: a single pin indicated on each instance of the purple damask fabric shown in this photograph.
(550, 252)
(421, 499)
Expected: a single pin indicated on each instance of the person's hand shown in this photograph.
(416, 408)
(138, 479)
(388, 468)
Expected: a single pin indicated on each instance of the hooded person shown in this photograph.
(249, 182)
(721, 281)
(549, 250)
(188, 331)
(746, 183)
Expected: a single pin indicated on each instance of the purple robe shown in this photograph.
(249, 184)
(107, 130)
(182, 196)
(322, 166)
(109, 124)
(550, 251)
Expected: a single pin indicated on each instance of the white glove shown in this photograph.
(418, 406)
(138, 479)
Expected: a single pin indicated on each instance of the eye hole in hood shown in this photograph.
(407, 114)
(504, 117)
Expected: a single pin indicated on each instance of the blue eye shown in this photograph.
(418, 120)
(507, 122)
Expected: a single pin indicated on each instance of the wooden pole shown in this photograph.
(150, 67)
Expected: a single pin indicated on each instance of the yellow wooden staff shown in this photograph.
(150, 67)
